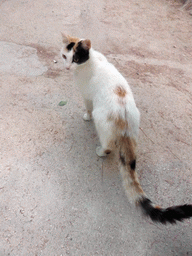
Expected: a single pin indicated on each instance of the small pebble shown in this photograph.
(54, 61)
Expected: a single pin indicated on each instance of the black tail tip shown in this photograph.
(167, 215)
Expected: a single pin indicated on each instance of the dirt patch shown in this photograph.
(43, 53)
(48, 55)
(20, 60)
(143, 72)
(53, 72)
(141, 52)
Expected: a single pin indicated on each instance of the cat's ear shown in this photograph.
(86, 44)
(65, 38)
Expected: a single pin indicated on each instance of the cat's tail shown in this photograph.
(127, 157)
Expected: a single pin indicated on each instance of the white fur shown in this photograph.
(97, 80)
(68, 61)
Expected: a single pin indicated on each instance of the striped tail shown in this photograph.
(167, 215)
(135, 192)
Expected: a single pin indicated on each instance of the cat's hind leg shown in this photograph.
(100, 151)
(89, 108)
(106, 137)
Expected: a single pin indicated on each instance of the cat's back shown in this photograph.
(105, 72)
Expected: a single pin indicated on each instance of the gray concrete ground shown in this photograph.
(57, 197)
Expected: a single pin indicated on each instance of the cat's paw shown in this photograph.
(100, 152)
(86, 117)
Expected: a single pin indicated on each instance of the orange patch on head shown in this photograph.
(158, 207)
(69, 39)
(73, 39)
(75, 46)
(120, 91)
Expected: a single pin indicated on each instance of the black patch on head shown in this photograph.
(122, 159)
(133, 164)
(70, 46)
(81, 54)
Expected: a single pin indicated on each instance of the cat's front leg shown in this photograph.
(89, 108)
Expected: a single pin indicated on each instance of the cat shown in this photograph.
(110, 102)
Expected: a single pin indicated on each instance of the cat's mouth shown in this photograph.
(71, 67)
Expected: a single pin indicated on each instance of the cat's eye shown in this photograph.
(76, 60)
(64, 57)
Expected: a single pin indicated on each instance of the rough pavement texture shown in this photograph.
(57, 197)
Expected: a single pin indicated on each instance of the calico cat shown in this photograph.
(109, 101)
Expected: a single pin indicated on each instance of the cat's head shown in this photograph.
(75, 51)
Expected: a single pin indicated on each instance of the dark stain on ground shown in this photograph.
(53, 73)
(47, 55)
(146, 72)
(143, 69)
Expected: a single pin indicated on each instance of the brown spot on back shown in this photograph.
(120, 91)
(119, 122)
